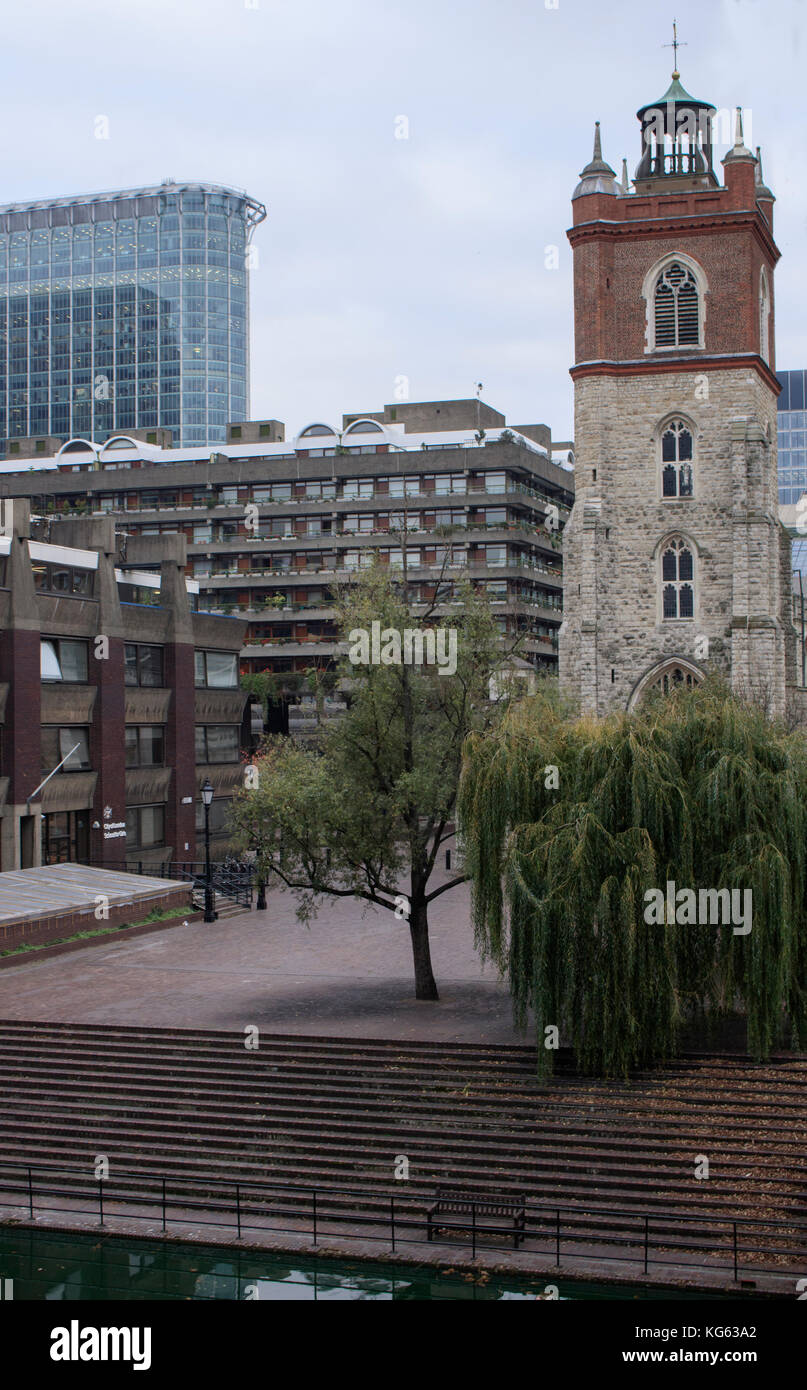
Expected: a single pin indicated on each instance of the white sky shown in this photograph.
(384, 257)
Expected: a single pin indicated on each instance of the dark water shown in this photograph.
(50, 1265)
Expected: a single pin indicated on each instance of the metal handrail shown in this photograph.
(543, 1222)
(236, 884)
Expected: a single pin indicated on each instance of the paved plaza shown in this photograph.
(348, 974)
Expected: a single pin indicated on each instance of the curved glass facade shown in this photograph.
(125, 311)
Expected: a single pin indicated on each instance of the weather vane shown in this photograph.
(675, 45)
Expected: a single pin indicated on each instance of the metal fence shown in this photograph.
(646, 1241)
(233, 883)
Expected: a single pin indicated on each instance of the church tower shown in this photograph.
(675, 562)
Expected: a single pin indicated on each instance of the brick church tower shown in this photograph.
(675, 562)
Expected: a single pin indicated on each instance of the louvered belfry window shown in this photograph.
(677, 308)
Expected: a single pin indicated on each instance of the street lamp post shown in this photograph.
(207, 797)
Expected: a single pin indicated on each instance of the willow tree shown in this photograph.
(364, 813)
(573, 831)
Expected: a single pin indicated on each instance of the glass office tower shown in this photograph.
(792, 431)
(126, 310)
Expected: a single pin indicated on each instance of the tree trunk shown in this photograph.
(425, 987)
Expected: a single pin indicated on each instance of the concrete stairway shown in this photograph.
(336, 1113)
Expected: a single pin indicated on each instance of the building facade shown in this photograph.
(675, 562)
(792, 430)
(117, 697)
(125, 310)
(272, 527)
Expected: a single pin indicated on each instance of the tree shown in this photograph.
(374, 800)
(572, 829)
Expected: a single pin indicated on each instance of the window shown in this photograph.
(69, 746)
(217, 670)
(317, 430)
(676, 460)
(219, 812)
(217, 743)
(145, 826)
(357, 487)
(143, 665)
(449, 482)
(677, 316)
(141, 594)
(399, 521)
(364, 427)
(673, 677)
(320, 489)
(62, 579)
(145, 745)
(678, 580)
(764, 317)
(404, 487)
(455, 554)
(66, 837)
(358, 559)
(63, 659)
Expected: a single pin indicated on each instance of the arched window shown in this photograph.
(672, 678)
(678, 579)
(668, 675)
(676, 460)
(764, 317)
(677, 307)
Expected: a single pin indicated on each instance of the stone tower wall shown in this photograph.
(613, 632)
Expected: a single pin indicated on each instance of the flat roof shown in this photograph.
(147, 191)
(56, 889)
(395, 436)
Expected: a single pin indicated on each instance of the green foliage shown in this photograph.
(370, 806)
(264, 686)
(698, 788)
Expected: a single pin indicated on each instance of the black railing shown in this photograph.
(233, 883)
(661, 1240)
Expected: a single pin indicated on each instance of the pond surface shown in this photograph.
(55, 1266)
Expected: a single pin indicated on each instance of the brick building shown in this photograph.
(271, 527)
(675, 561)
(117, 698)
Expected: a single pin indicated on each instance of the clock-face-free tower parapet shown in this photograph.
(675, 562)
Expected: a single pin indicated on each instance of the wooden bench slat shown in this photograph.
(453, 1201)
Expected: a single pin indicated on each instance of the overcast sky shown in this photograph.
(384, 257)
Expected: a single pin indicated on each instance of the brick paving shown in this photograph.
(348, 974)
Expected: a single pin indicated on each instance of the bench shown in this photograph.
(453, 1201)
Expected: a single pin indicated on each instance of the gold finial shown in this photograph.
(675, 45)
